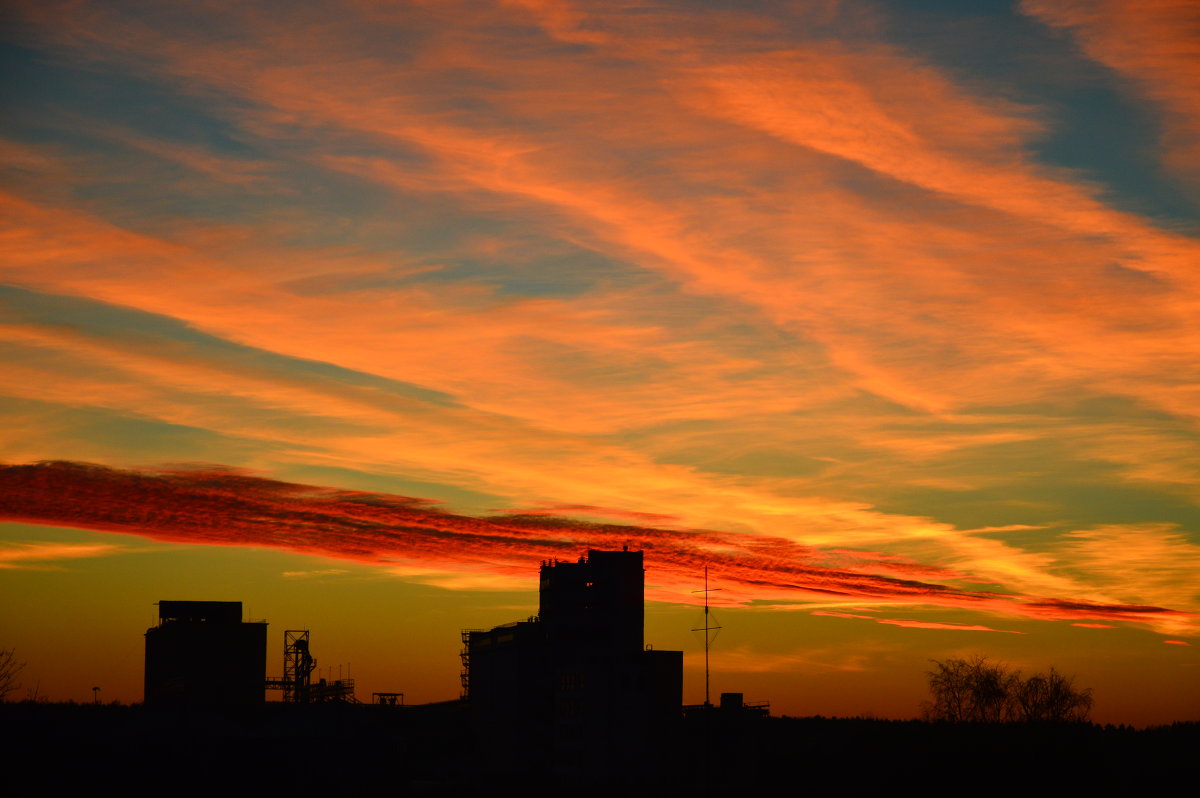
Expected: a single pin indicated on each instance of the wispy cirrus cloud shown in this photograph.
(41, 555)
(1154, 45)
(217, 506)
(744, 659)
(958, 627)
(223, 507)
(919, 624)
(836, 614)
(314, 574)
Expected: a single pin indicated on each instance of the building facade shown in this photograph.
(575, 684)
(201, 654)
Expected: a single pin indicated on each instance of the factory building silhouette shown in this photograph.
(202, 654)
(573, 687)
(575, 683)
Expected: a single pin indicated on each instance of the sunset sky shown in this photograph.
(357, 311)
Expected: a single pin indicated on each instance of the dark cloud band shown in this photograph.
(221, 506)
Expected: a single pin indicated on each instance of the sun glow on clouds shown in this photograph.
(918, 624)
(746, 660)
(46, 555)
(415, 540)
(1154, 45)
(320, 572)
(774, 287)
(958, 627)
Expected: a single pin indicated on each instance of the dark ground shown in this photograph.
(65, 749)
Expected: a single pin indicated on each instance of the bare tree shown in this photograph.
(972, 690)
(977, 690)
(9, 669)
(1051, 697)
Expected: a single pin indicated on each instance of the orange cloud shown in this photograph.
(961, 627)
(1039, 335)
(912, 624)
(587, 509)
(838, 251)
(744, 659)
(1154, 45)
(35, 555)
(832, 614)
(218, 506)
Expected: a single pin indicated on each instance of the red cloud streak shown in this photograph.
(221, 506)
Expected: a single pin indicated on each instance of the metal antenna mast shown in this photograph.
(707, 628)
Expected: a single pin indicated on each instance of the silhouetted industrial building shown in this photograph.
(297, 684)
(201, 654)
(575, 683)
